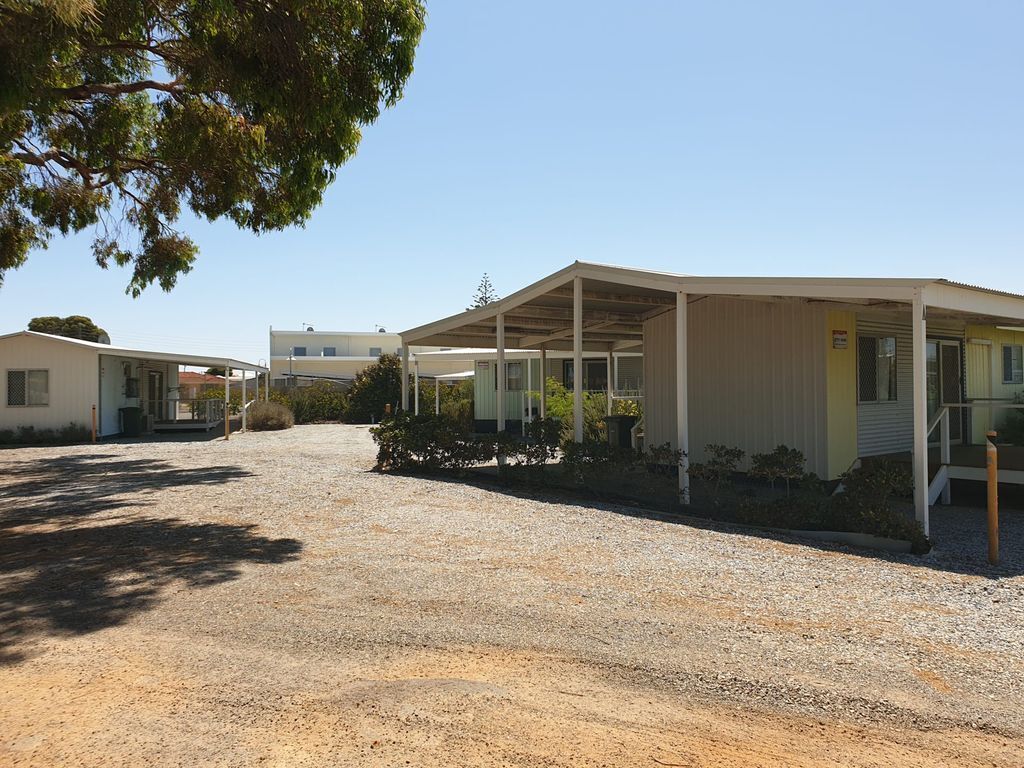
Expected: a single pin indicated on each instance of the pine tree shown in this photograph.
(485, 293)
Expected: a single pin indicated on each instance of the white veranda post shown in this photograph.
(227, 401)
(918, 331)
(529, 388)
(608, 377)
(416, 386)
(682, 405)
(405, 376)
(577, 358)
(245, 375)
(499, 371)
(543, 383)
(437, 397)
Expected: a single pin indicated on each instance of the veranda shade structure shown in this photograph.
(768, 359)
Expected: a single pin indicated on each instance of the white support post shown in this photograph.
(257, 397)
(543, 383)
(437, 397)
(615, 367)
(529, 389)
(499, 370)
(244, 394)
(227, 401)
(416, 386)
(577, 358)
(918, 331)
(944, 450)
(405, 376)
(682, 401)
(610, 383)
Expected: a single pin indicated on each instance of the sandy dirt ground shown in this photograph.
(270, 601)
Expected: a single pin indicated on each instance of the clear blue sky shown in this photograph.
(868, 138)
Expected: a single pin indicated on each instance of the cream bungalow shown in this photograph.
(840, 368)
(52, 381)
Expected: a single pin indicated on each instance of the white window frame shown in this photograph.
(333, 352)
(877, 399)
(27, 372)
(376, 353)
(1016, 373)
(518, 386)
(297, 353)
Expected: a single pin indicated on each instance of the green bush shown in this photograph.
(321, 401)
(428, 443)
(265, 416)
(374, 388)
(781, 464)
(560, 408)
(69, 433)
(719, 468)
(1012, 429)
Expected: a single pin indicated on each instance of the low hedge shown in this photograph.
(70, 433)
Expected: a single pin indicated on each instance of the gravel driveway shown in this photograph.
(271, 601)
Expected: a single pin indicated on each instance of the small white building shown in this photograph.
(52, 381)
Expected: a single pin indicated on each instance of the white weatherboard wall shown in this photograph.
(73, 382)
(757, 378)
(888, 427)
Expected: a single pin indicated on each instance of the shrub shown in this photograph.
(781, 464)
(560, 408)
(321, 401)
(1012, 429)
(720, 466)
(428, 442)
(375, 386)
(264, 417)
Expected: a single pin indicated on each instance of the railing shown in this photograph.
(182, 411)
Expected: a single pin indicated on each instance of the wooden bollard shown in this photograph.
(992, 465)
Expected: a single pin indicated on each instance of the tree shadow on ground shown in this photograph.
(74, 560)
(959, 533)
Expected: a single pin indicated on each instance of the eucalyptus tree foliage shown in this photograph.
(114, 114)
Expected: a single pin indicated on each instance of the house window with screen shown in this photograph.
(876, 368)
(28, 387)
(595, 375)
(513, 376)
(298, 351)
(374, 351)
(1013, 364)
(330, 352)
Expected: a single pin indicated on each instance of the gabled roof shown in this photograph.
(617, 300)
(170, 357)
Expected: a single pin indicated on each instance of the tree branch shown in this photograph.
(86, 91)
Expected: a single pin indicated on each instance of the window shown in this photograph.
(1013, 364)
(330, 352)
(398, 351)
(595, 375)
(298, 351)
(374, 351)
(28, 387)
(513, 376)
(876, 368)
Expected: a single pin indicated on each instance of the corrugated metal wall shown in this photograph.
(757, 377)
(73, 382)
(889, 427)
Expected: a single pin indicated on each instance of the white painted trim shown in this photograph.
(499, 371)
(919, 341)
(577, 358)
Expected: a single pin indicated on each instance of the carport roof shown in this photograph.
(170, 357)
(617, 300)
